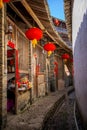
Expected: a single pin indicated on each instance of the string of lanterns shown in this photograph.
(3, 1)
(35, 34)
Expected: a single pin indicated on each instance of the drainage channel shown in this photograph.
(63, 116)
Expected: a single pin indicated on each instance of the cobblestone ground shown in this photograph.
(33, 117)
(63, 118)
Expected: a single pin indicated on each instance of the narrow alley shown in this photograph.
(43, 66)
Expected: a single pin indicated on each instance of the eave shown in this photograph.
(39, 11)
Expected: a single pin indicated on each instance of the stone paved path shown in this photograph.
(33, 117)
(63, 117)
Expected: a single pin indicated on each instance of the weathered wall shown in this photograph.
(38, 68)
(61, 82)
(3, 69)
(51, 76)
(80, 53)
(41, 85)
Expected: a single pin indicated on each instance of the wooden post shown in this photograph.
(30, 71)
(3, 71)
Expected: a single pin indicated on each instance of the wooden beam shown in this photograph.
(30, 11)
(58, 41)
(15, 0)
(16, 10)
(40, 8)
(15, 26)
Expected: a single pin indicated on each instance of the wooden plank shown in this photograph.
(30, 11)
(17, 12)
(23, 71)
(16, 26)
(23, 49)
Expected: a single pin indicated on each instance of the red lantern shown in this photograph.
(56, 22)
(49, 47)
(65, 56)
(34, 34)
(71, 60)
(6, 1)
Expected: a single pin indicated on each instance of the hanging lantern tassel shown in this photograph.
(49, 53)
(65, 60)
(1, 4)
(34, 42)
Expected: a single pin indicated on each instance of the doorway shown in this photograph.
(11, 78)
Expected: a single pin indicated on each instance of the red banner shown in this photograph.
(56, 68)
(17, 69)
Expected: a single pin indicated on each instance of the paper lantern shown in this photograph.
(65, 57)
(6, 1)
(34, 34)
(56, 22)
(49, 47)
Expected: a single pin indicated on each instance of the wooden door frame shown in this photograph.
(13, 46)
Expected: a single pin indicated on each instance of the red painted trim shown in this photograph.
(17, 69)
(12, 45)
